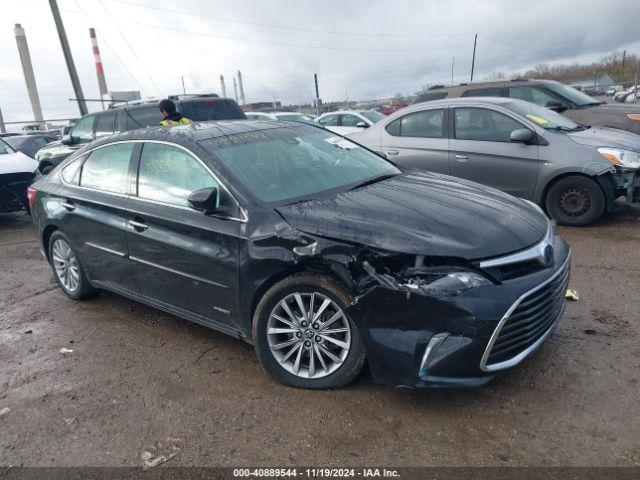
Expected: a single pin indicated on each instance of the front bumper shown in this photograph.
(419, 341)
(13, 191)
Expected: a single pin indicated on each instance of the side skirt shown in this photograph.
(166, 307)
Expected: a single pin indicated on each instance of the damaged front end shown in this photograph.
(427, 321)
(13, 191)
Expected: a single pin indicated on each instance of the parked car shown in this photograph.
(130, 117)
(575, 173)
(622, 95)
(318, 252)
(30, 144)
(561, 98)
(349, 121)
(16, 174)
(288, 116)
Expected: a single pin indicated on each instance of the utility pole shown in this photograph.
(318, 101)
(2, 129)
(223, 87)
(473, 61)
(184, 91)
(64, 43)
(624, 54)
(453, 62)
(29, 76)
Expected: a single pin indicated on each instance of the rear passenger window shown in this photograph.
(531, 94)
(105, 124)
(169, 175)
(483, 124)
(425, 124)
(71, 173)
(107, 168)
(142, 117)
(483, 92)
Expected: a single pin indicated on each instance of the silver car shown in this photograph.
(574, 172)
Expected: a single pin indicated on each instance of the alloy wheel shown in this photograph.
(309, 335)
(66, 265)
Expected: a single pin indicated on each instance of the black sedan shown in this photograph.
(317, 251)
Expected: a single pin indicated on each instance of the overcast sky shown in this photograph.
(359, 48)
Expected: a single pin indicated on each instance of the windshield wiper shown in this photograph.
(374, 180)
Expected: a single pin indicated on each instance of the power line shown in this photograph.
(300, 45)
(286, 27)
(130, 47)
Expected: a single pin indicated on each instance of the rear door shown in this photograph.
(481, 150)
(182, 257)
(418, 140)
(93, 211)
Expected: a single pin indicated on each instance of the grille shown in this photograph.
(530, 320)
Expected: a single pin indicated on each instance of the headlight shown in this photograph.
(445, 282)
(618, 156)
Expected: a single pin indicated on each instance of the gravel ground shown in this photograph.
(139, 380)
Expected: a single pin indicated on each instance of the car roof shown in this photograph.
(197, 131)
(492, 83)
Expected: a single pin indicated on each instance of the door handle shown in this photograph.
(139, 226)
(69, 205)
(392, 153)
(462, 158)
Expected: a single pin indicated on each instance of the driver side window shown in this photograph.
(83, 130)
(169, 175)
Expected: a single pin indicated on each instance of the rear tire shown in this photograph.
(67, 269)
(575, 201)
(302, 336)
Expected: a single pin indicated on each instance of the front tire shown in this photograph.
(67, 269)
(575, 201)
(302, 335)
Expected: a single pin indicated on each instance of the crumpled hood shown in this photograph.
(606, 137)
(17, 162)
(423, 213)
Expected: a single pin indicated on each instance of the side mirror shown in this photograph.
(362, 125)
(522, 135)
(67, 140)
(205, 200)
(556, 106)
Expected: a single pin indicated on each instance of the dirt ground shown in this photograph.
(140, 380)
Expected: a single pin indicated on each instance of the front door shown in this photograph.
(94, 205)
(481, 150)
(418, 140)
(180, 256)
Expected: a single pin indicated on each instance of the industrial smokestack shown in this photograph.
(235, 88)
(224, 88)
(102, 82)
(242, 100)
(29, 77)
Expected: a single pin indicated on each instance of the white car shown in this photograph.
(17, 172)
(290, 116)
(344, 122)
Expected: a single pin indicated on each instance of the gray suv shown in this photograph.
(574, 172)
(557, 96)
